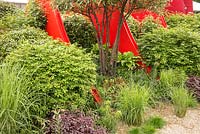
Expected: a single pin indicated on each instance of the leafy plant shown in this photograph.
(35, 15)
(172, 48)
(193, 84)
(72, 123)
(127, 63)
(15, 101)
(181, 100)
(64, 74)
(132, 103)
(13, 39)
(80, 30)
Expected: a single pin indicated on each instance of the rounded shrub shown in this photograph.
(64, 75)
(11, 40)
(172, 48)
(80, 30)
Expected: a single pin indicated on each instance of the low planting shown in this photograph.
(65, 122)
(193, 84)
(107, 117)
(149, 126)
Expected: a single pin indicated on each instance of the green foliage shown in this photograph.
(80, 30)
(149, 127)
(172, 77)
(63, 74)
(168, 80)
(132, 103)
(172, 48)
(156, 122)
(149, 24)
(134, 27)
(188, 21)
(126, 64)
(181, 100)
(108, 119)
(13, 22)
(15, 101)
(140, 28)
(13, 39)
(35, 15)
(7, 8)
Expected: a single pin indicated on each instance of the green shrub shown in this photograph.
(35, 15)
(80, 30)
(188, 21)
(15, 101)
(181, 100)
(126, 64)
(172, 48)
(149, 24)
(134, 27)
(172, 78)
(140, 28)
(7, 8)
(161, 89)
(13, 22)
(64, 74)
(132, 103)
(108, 119)
(13, 39)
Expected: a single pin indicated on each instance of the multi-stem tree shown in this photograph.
(92, 8)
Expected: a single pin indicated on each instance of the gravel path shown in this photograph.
(190, 124)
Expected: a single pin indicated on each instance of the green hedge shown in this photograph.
(13, 39)
(188, 21)
(80, 30)
(7, 8)
(64, 75)
(172, 48)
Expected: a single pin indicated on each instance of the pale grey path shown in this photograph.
(190, 124)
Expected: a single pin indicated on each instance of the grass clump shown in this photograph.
(133, 102)
(149, 127)
(181, 100)
(15, 101)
